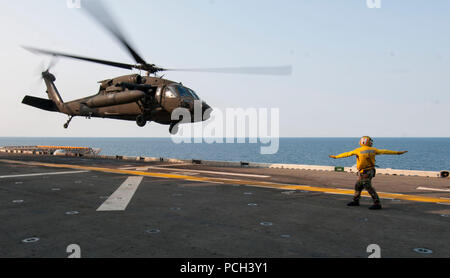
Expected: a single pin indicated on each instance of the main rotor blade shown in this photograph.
(100, 14)
(98, 61)
(282, 70)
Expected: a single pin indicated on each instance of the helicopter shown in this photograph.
(132, 97)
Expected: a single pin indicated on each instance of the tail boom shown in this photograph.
(52, 92)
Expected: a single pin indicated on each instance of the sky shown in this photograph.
(357, 71)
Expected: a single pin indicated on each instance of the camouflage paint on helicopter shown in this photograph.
(132, 97)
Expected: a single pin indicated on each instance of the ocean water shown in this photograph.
(431, 154)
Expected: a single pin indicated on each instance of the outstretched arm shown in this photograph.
(342, 155)
(389, 152)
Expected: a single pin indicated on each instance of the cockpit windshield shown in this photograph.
(186, 92)
(193, 93)
(182, 91)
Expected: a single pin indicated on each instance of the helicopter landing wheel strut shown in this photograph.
(66, 125)
(141, 121)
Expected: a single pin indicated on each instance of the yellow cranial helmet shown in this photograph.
(366, 141)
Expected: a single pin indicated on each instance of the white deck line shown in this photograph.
(210, 172)
(433, 189)
(42, 174)
(218, 182)
(145, 168)
(174, 164)
(119, 200)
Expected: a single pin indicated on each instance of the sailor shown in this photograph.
(365, 163)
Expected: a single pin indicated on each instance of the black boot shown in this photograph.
(375, 206)
(353, 203)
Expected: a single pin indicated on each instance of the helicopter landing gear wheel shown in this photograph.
(141, 121)
(173, 129)
(66, 125)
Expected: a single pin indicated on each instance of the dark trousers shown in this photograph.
(365, 182)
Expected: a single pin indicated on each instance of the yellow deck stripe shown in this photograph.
(238, 182)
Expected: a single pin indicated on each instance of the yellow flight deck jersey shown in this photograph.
(365, 156)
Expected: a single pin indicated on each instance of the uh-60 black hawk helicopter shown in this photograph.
(134, 97)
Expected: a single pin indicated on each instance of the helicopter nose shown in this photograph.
(206, 111)
(191, 105)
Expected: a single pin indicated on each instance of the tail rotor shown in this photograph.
(43, 71)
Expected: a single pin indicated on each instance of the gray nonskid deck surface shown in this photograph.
(180, 218)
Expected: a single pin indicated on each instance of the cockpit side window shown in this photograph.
(170, 93)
